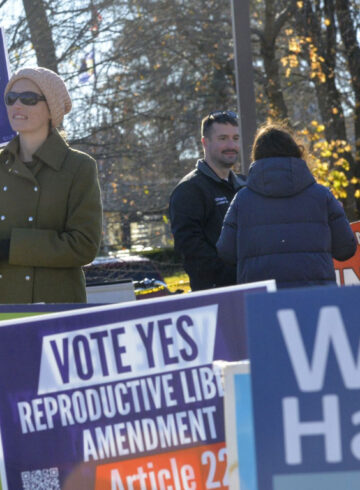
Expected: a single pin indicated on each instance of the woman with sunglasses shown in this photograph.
(50, 206)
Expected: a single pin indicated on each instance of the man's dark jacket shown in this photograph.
(198, 206)
(285, 226)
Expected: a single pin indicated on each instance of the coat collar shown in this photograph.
(52, 152)
(237, 181)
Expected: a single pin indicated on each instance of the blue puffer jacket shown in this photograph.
(285, 226)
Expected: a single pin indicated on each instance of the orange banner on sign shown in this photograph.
(348, 272)
(197, 468)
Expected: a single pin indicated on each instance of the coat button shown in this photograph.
(5, 188)
(36, 189)
(0, 276)
(2, 217)
(27, 278)
(30, 218)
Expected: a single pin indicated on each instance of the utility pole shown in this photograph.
(240, 13)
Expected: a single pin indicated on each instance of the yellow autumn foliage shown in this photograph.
(326, 162)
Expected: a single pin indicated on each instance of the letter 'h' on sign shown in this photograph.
(329, 427)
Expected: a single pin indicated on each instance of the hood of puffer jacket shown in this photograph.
(279, 176)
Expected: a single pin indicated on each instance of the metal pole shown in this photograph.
(244, 78)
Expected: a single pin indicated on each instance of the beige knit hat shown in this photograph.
(53, 88)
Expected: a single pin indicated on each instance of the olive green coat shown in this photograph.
(52, 216)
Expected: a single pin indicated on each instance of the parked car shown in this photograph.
(146, 277)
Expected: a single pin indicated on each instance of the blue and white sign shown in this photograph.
(239, 426)
(6, 132)
(305, 373)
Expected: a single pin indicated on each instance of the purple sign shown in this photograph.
(120, 396)
(6, 132)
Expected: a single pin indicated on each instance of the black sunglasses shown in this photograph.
(26, 98)
(216, 114)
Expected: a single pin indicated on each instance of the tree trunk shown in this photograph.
(325, 44)
(352, 53)
(328, 95)
(40, 32)
(272, 27)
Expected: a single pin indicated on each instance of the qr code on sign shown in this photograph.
(47, 479)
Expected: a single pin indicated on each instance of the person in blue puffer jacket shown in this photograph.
(283, 225)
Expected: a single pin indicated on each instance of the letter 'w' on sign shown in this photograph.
(330, 330)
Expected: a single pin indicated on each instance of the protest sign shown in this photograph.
(120, 396)
(6, 132)
(348, 271)
(305, 377)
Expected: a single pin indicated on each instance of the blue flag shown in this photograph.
(87, 67)
(6, 132)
